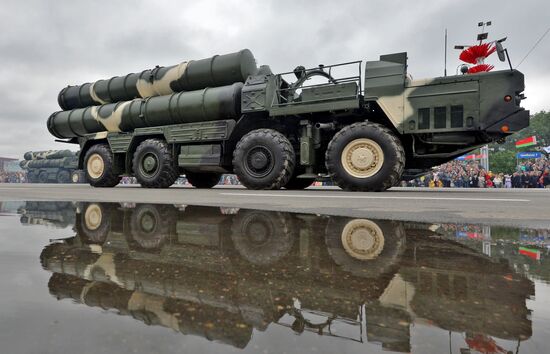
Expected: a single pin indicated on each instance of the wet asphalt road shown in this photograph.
(520, 208)
(147, 278)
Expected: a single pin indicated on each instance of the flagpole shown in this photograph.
(485, 157)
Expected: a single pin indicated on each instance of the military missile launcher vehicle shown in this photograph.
(52, 166)
(365, 130)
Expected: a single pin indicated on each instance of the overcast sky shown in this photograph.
(46, 45)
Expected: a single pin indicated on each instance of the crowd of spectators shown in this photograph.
(469, 174)
(13, 177)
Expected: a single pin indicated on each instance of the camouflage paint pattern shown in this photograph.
(209, 104)
(437, 119)
(64, 162)
(481, 95)
(47, 154)
(219, 70)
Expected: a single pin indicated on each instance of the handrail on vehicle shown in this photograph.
(285, 96)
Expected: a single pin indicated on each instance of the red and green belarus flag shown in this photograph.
(532, 140)
(530, 252)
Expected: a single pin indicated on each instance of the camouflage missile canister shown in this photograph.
(184, 107)
(219, 70)
(47, 154)
(63, 162)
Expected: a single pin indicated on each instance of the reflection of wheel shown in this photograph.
(362, 239)
(365, 157)
(154, 165)
(43, 177)
(99, 166)
(150, 225)
(95, 223)
(365, 247)
(261, 237)
(63, 176)
(203, 179)
(264, 159)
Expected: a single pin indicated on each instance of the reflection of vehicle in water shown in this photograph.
(220, 275)
(526, 250)
(52, 214)
(461, 290)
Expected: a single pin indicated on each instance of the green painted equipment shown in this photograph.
(219, 70)
(184, 107)
(365, 126)
(47, 154)
(52, 166)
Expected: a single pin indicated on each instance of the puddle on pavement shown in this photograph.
(125, 278)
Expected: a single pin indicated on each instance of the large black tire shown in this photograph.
(99, 166)
(264, 159)
(262, 237)
(363, 247)
(203, 179)
(365, 157)
(153, 164)
(63, 176)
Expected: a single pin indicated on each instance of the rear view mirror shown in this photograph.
(500, 51)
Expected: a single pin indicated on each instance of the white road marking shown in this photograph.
(274, 195)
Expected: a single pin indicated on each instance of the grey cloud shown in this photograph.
(46, 45)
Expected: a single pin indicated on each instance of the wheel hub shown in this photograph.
(95, 166)
(362, 239)
(148, 222)
(362, 158)
(93, 217)
(149, 163)
(259, 161)
(258, 233)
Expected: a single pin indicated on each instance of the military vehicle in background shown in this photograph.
(58, 215)
(52, 166)
(222, 273)
(224, 114)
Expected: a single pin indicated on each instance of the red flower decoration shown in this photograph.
(477, 53)
(480, 68)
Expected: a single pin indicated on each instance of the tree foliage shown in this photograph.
(539, 125)
(503, 161)
(504, 157)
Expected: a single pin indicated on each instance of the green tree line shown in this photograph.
(503, 156)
